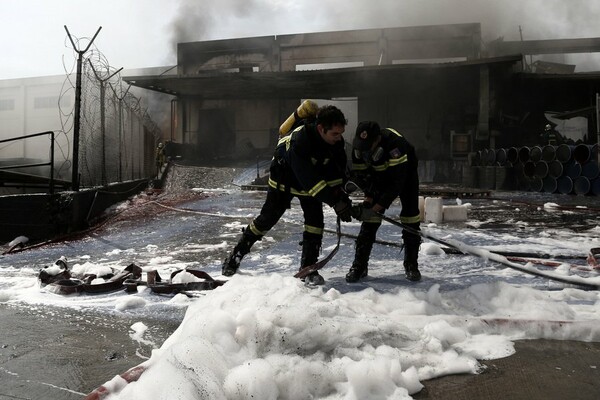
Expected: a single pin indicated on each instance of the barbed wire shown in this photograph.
(112, 124)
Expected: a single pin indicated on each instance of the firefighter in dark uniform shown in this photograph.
(384, 165)
(309, 163)
(551, 136)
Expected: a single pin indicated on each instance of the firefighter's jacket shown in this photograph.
(305, 165)
(383, 179)
(551, 138)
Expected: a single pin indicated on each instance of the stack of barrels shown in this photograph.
(567, 169)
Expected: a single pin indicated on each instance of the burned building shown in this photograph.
(441, 86)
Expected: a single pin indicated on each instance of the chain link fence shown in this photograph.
(117, 136)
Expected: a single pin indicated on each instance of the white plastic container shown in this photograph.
(455, 213)
(434, 210)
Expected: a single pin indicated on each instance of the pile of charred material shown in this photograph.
(59, 279)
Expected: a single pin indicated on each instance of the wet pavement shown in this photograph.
(50, 353)
(540, 369)
(45, 355)
(53, 352)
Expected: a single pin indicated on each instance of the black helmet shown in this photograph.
(366, 134)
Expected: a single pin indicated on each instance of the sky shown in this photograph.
(143, 33)
(266, 335)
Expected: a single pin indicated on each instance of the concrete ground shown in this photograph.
(64, 357)
(51, 354)
(540, 369)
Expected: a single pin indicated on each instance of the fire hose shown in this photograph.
(486, 254)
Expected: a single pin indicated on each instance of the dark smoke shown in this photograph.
(533, 19)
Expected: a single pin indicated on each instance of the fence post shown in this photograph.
(77, 117)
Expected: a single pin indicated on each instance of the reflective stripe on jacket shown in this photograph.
(306, 165)
(383, 179)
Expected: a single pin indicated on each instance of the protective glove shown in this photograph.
(343, 209)
(364, 212)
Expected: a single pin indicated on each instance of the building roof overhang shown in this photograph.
(575, 77)
(324, 83)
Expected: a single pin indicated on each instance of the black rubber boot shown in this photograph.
(359, 268)
(411, 265)
(311, 246)
(232, 262)
(356, 273)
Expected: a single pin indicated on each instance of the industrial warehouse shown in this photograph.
(452, 95)
(467, 106)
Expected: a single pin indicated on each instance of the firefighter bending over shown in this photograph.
(309, 163)
(384, 165)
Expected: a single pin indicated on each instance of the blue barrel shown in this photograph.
(512, 155)
(582, 185)
(524, 154)
(541, 169)
(529, 169)
(564, 153)
(572, 169)
(490, 156)
(564, 184)
(555, 169)
(549, 184)
(549, 153)
(501, 156)
(590, 170)
(582, 153)
(535, 153)
(536, 184)
(596, 186)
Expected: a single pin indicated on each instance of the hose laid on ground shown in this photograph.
(507, 258)
(448, 249)
(304, 272)
(300, 274)
(508, 254)
(486, 254)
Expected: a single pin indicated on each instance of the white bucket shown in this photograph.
(421, 208)
(455, 213)
(434, 210)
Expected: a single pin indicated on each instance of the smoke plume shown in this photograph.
(527, 19)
